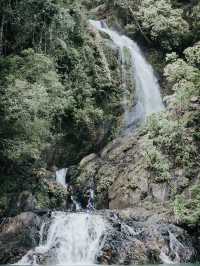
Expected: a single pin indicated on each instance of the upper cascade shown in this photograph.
(148, 98)
(61, 175)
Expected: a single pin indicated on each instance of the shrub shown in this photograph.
(188, 209)
(163, 23)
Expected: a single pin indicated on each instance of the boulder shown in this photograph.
(18, 235)
(122, 178)
(118, 172)
(26, 201)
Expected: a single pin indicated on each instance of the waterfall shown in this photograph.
(148, 98)
(60, 176)
(71, 239)
(90, 205)
(76, 204)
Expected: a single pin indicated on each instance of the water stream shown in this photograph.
(71, 239)
(76, 204)
(147, 91)
(60, 176)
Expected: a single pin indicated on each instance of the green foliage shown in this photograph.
(184, 79)
(195, 18)
(43, 25)
(173, 134)
(192, 55)
(163, 23)
(170, 138)
(156, 163)
(25, 22)
(30, 101)
(170, 135)
(56, 84)
(179, 70)
(188, 209)
(50, 195)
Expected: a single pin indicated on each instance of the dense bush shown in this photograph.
(172, 137)
(57, 91)
(188, 209)
(162, 23)
(31, 100)
(183, 76)
(192, 55)
(156, 163)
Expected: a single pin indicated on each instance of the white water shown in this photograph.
(72, 239)
(147, 88)
(60, 176)
(165, 258)
(77, 205)
(90, 205)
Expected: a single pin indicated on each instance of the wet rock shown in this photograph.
(18, 235)
(131, 241)
(87, 159)
(99, 11)
(118, 173)
(194, 99)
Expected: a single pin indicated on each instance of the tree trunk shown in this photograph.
(1, 34)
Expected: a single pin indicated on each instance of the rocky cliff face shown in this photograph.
(120, 179)
(117, 172)
(123, 179)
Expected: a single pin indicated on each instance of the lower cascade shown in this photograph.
(106, 238)
(68, 238)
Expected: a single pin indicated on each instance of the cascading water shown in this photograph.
(148, 98)
(61, 179)
(72, 239)
(60, 176)
(76, 204)
(90, 205)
